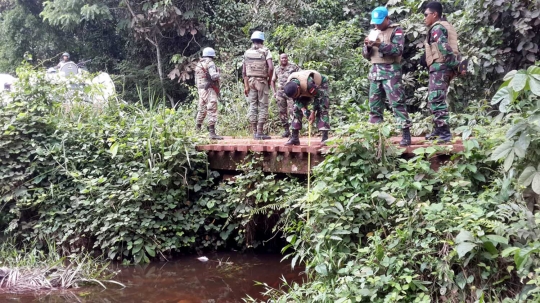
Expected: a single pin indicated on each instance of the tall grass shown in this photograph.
(29, 268)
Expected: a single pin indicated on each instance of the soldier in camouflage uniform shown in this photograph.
(257, 71)
(206, 77)
(385, 75)
(284, 103)
(309, 90)
(441, 57)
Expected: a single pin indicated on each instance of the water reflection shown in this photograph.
(224, 278)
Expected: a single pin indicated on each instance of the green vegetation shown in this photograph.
(126, 182)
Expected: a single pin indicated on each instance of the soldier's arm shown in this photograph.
(212, 70)
(439, 35)
(270, 69)
(395, 47)
(366, 52)
(273, 83)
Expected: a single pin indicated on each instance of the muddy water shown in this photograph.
(185, 280)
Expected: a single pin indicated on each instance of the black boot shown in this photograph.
(287, 133)
(405, 137)
(294, 139)
(445, 135)
(212, 131)
(254, 130)
(198, 127)
(324, 137)
(260, 135)
(434, 134)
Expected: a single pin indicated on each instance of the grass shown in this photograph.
(29, 268)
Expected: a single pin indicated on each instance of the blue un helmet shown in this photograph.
(208, 52)
(257, 35)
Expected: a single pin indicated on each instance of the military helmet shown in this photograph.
(208, 52)
(257, 35)
(65, 54)
(290, 89)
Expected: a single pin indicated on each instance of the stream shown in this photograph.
(225, 277)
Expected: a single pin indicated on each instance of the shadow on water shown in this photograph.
(226, 277)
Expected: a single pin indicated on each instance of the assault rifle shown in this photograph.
(211, 83)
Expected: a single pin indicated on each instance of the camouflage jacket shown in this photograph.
(282, 73)
(381, 71)
(321, 91)
(439, 35)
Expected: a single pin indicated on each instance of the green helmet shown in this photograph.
(65, 54)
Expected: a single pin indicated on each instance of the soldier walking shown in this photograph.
(257, 71)
(309, 90)
(385, 76)
(284, 103)
(441, 57)
(207, 80)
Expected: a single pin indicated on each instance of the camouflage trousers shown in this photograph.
(396, 96)
(285, 107)
(438, 86)
(207, 106)
(258, 100)
(320, 106)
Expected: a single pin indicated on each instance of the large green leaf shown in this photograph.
(534, 79)
(519, 81)
(465, 247)
(502, 150)
(531, 176)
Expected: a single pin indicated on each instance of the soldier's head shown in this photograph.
(379, 17)
(291, 89)
(257, 37)
(65, 57)
(433, 13)
(283, 59)
(208, 52)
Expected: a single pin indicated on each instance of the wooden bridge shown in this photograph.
(225, 155)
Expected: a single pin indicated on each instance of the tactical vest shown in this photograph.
(201, 72)
(303, 76)
(385, 37)
(255, 61)
(433, 54)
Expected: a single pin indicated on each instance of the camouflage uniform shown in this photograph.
(386, 77)
(440, 75)
(284, 103)
(208, 98)
(258, 93)
(320, 103)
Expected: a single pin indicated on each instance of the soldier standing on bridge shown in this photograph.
(441, 57)
(385, 76)
(257, 71)
(309, 90)
(284, 103)
(207, 77)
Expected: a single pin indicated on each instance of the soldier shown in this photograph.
(257, 71)
(285, 104)
(63, 61)
(385, 75)
(441, 57)
(207, 77)
(309, 90)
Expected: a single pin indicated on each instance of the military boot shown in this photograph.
(294, 139)
(287, 132)
(324, 137)
(254, 130)
(445, 135)
(198, 127)
(260, 135)
(434, 134)
(405, 137)
(212, 131)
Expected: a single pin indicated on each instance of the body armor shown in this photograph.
(202, 73)
(255, 61)
(433, 54)
(303, 76)
(385, 37)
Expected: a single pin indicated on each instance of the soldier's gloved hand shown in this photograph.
(423, 61)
